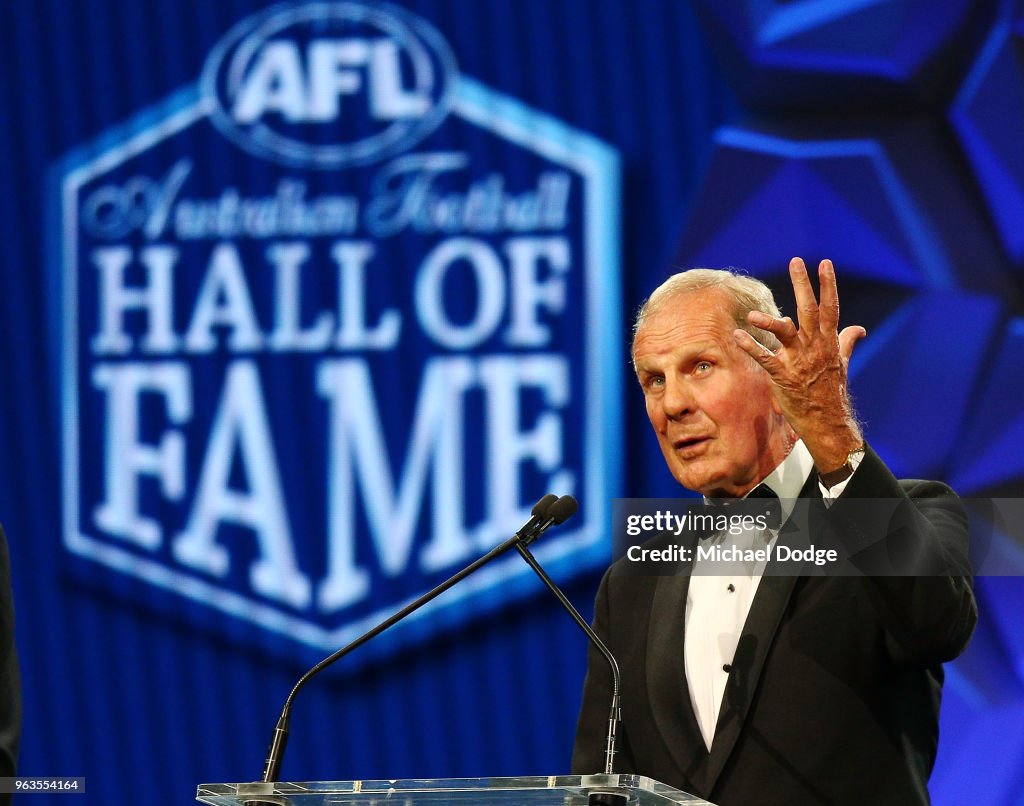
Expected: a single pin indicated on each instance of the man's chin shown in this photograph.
(697, 481)
(709, 484)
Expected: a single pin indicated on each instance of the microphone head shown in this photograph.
(563, 509)
(542, 506)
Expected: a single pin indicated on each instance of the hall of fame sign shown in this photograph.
(334, 318)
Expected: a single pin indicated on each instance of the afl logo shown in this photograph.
(328, 85)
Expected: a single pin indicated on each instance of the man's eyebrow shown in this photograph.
(689, 354)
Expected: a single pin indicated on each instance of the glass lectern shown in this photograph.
(563, 790)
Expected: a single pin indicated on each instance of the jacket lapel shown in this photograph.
(766, 611)
(666, 670)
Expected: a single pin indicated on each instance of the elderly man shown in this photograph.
(776, 689)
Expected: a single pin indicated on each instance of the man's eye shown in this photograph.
(655, 382)
(703, 366)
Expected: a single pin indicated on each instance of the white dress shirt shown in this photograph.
(717, 606)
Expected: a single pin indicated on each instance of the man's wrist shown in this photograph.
(832, 450)
(833, 477)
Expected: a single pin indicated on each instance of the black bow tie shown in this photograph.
(761, 502)
(763, 494)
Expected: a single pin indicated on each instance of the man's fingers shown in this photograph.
(848, 340)
(806, 303)
(829, 308)
(761, 354)
(784, 328)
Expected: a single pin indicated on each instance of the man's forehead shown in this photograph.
(688, 318)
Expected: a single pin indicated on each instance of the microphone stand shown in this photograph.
(615, 716)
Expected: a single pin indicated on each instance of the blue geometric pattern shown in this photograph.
(983, 705)
(835, 52)
(992, 457)
(900, 375)
(988, 116)
(891, 205)
(875, 224)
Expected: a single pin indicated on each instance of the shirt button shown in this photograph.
(727, 667)
(731, 588)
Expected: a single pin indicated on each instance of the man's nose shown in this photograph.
(678, 399)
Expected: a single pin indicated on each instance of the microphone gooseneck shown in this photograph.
(541, 520)
(564, 508)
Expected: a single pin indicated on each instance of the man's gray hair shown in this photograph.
(744, 292)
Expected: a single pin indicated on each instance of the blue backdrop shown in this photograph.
(249, 247)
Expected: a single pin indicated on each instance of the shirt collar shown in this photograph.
(789, 478)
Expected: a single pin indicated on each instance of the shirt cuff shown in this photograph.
(831, 493)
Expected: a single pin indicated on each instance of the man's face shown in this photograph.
(711, 405)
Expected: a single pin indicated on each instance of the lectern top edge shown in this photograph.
(563, 790)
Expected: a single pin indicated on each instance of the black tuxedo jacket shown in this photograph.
(834, 692)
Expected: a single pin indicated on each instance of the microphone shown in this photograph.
(531, 529)
(558, 511)
(541, 520)
(563, 509)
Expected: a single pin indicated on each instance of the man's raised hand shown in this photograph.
(809, 370)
